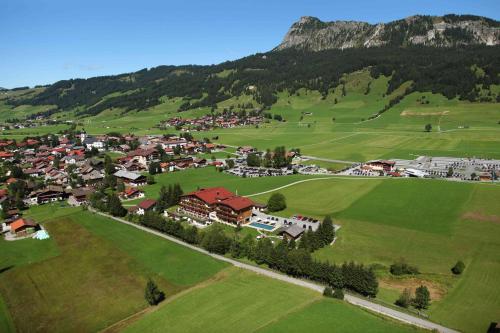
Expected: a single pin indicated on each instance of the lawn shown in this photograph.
(424, 205)
(246, 302)
(192, 179)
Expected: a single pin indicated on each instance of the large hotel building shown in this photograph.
(217, 203)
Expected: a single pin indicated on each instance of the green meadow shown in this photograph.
(427, 223)
(90, 274)
(246, 302)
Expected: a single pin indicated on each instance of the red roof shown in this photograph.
(212, 195)
(238, 203)
(131, 190)
(21, 223)
(4, 154)
(11, 180)
(221, 195)
(147, 204)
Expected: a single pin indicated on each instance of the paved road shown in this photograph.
(306, 284)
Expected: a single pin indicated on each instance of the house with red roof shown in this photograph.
(218, 204)
(143, 207)
(5, 155)
(132, 193)
(23, 227)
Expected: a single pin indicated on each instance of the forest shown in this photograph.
(449, 71)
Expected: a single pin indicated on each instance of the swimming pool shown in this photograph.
(261, 226)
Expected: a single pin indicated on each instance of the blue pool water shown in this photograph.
(262, 226)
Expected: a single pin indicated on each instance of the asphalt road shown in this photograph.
(401, 316)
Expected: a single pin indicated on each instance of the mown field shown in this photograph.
(430, 224)
(245, 302)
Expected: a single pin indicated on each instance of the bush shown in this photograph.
(458, 268)
(401, 268)
(328, 292)
(152, 294)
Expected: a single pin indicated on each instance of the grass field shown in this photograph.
(430, 224)
(332, 316)
(192, 179)
(90, 274)
(245, 302)
(175, 263)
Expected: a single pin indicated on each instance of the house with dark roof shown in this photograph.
(130, 178)
(218, 204)
(291, 231)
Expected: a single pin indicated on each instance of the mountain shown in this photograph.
(313, 34)
(315, 55)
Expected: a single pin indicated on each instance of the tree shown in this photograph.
(326, 232)
(276, 202)
(115, 207)
(422, 298)
(215, 240)
(253, 160)
(404, 299)
(230, 163)
(458, 268)
(428, 127)
(120, 186)
(450, 172)
(339, 293)
(109, 167)
(150, 179)
(152, 294)
(154, 168)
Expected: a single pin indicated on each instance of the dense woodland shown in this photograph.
(440, 70)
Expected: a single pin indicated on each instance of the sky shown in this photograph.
(43, 41)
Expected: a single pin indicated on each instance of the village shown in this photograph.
(208, 122)
(76, 169)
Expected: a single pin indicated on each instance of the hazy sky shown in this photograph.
(44, 41)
